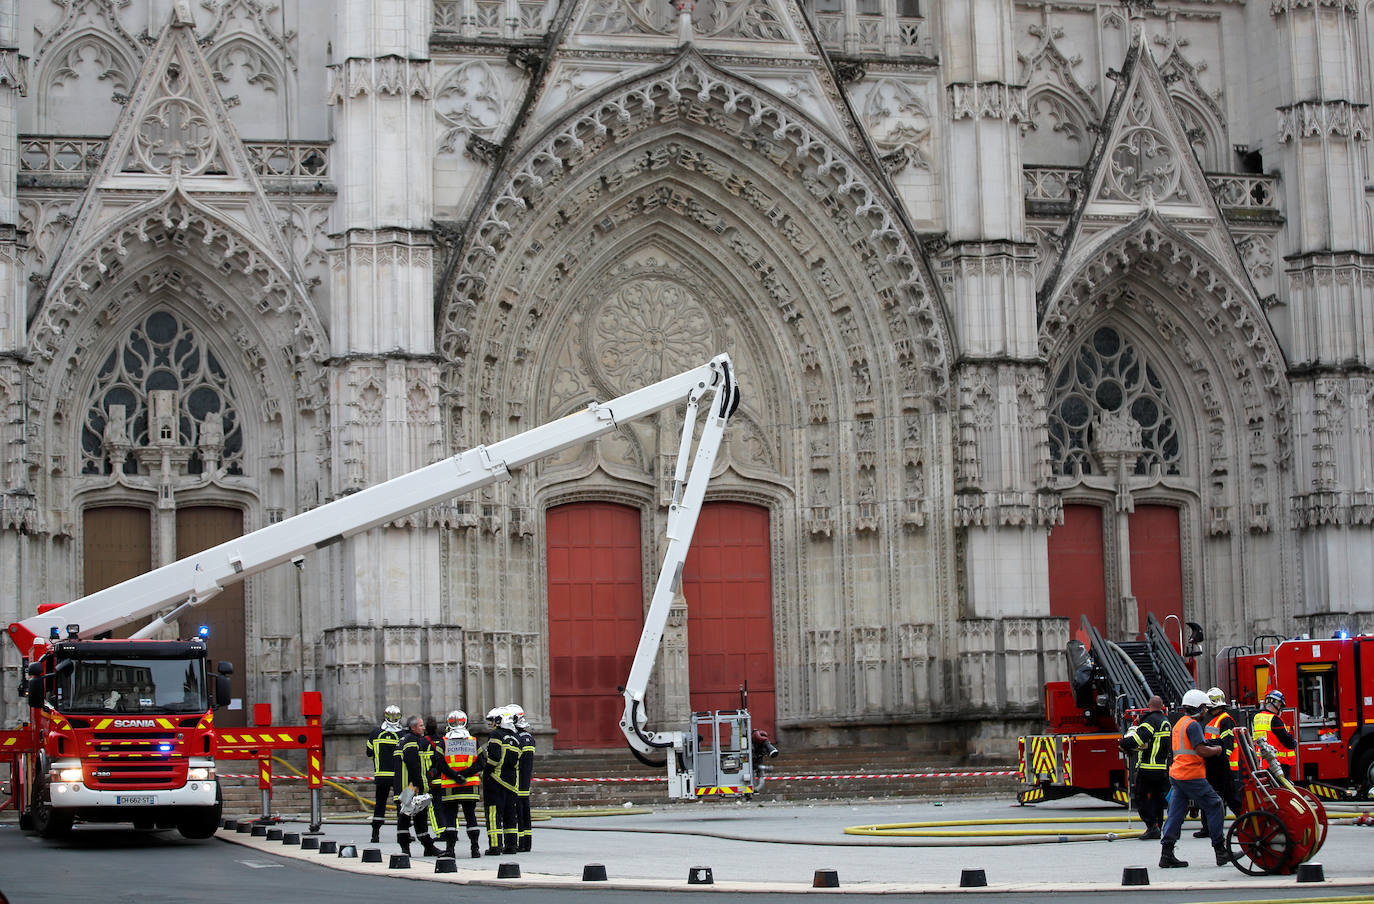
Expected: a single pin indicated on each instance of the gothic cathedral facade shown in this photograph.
(1043, 311)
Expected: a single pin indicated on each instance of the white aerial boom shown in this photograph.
(173, 589)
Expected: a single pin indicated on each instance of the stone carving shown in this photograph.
(384, 75)
(1143, 164)
(175, 133)
(83, 18)
(1319, 119)
(255, 18)
(988, 100)
(750, 19)
(896, 116)
(467, 101)
(1056, 100)
(646, 330)
(242, 60)
(90, 54)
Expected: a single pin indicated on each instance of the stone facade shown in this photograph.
(975, 261)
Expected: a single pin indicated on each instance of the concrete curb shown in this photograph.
(422, 870)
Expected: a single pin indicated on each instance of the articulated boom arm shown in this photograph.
(194, 579)
(689, 489)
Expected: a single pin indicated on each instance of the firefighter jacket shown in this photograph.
(499, 760)
(414, 755)
(1220, 731)
(381, 749)
(1187, 761)
(1269, 727)
(458, 752)
(1152, 739)
(525, 739)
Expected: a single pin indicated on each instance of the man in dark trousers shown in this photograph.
(381, 750)
(525, 738)
(1149, 738)
(1268, 726)
(499, 763)
(1188, 782)
(455, 789)
(413, 757)
(1220, 730)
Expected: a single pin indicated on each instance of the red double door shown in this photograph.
(1078, 557)
(596, 593)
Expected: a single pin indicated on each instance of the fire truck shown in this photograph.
(1328, 684)
(122, 730)
(1109, 685)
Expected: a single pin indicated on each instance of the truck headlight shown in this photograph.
(200, 773)
(71, 774)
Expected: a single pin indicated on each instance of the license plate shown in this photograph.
(136, 800)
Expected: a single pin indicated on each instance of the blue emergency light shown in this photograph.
(165, 748)
(203, 631)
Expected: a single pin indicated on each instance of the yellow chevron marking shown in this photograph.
(286, 737)
(165, 723)
(103, 723)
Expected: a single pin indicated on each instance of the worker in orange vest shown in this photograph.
(1268, 726)
(1188, 782)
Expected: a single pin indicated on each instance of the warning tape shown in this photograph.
(616, 780)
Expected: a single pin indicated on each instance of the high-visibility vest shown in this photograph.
(1187, 761)
(459, 754)
(1264, 731)
(383, 749)
(1224, 736)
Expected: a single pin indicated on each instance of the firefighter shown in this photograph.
(498, 763)
(1188, 781)
(1150, 738)
(414, 756)
(1268, 726)
(1220, 730)
(525, 738)
(455, 789)
(381, 750)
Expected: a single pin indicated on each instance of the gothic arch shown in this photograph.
(59, 64)
(1211, 328)
(740, 141)
(262, 70)
(1067, 127)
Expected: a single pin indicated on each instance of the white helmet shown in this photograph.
(516, 714)
(1216, 697)
(392, 716)
(457, 719)
(1195, 699)
(495, 715)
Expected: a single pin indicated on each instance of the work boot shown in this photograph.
(1223, 854)
(525, 844)
(376, 831)
(429, 850)
(1202, 833)
(1167, 860)
(494, 852)
(1150, 833)
(404, 840)
(512, 847)
(472, 842)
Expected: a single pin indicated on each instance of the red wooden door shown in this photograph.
(596, 612)
(728, 585)
(1078, 583)
(117, 544)
(1156, 562)
(200, 527)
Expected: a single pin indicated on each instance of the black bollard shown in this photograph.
(508, 871)
(310, 844)
(594, 872)
(1311, 872)
(258, 831)
(973, 878)
(399, 861)
(244, 828)
(329, 847)
(446, 865)
(370, 855)
(825, 878)
(230, 824)
(1135, 875)
(274, 834)
(700, 875)
(291, 838)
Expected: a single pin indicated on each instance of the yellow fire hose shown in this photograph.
(951, 828)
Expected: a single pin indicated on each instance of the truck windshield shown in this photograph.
(128, 685)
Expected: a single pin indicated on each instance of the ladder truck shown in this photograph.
(122, 730)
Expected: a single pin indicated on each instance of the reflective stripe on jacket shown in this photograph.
(1220, 731)
(1264, 731)
(1187, 761)
(381, 749)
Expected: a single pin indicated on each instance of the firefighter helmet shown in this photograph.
(392, 714)
(457, 719)
(1195, 699)
(1216, 697)
(494, 716)
(1275, 696)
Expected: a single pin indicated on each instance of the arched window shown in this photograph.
(161, 353)
(1109, 376)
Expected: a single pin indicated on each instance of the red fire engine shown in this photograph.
(1329, 687)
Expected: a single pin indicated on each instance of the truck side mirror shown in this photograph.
(225, 667)
(35, 694)
(222, 691)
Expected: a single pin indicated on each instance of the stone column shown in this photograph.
(1322, 139)
(385, 376)
(1001, 508)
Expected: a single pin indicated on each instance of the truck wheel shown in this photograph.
(1364, 774)
(47, 820)
(202, 822)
